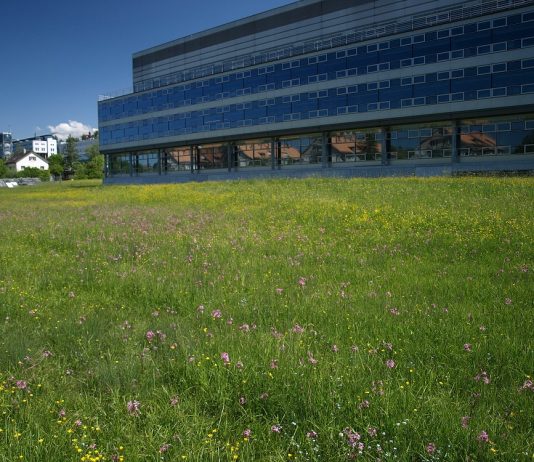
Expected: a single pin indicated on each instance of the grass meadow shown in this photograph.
(309, 320)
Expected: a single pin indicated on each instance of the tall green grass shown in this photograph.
(361, 319)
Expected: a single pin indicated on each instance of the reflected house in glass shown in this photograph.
(331, 87)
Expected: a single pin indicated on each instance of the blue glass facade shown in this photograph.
(456, 84)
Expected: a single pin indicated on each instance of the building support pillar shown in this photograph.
(131, 156)
(160, 162)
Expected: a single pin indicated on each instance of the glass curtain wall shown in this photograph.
(496, 136)
(304, 150)
(355, 146)
(427, 141)
(119, 165)
(175, 160)
(146, 163)
(253, 153)
(210, 157)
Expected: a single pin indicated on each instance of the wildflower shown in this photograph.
(242, 400)
(467, 347)
(244, 327)
(72, 294)
(297, 329)
(47, 354)
(465, 421)
(311, 359)
(372, 431)
(155, 314)
(164, 448)
(527, 385)
(508, 301)
(352, 437)
(150, 335)
(276, 428)
(483, 376)
(225, 358)
(483, 437)
(216, 314)
(279, 291)
(78, 423)
(264, 396)
(302, 282)
(335, 349)
(239, 365)
(174, 400)
(21, 384)
(311, 435)
(133, 407)
(363, 404)
(354, 349)
(390, 363)
(430, 448)
(161, 335)
(394, 311)
(274, 364)
(230, 321)
(200, 309)
(247, 432)
(62, 413)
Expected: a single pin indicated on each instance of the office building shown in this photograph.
(6, 145)
(332, 87)
(44, 145)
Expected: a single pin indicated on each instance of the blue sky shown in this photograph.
(58, 55)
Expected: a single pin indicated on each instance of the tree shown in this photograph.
(3, 169)
(55, 164)
(33, 172)
(71, 157)
(95, 165)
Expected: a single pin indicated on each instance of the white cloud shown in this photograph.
(70, 128)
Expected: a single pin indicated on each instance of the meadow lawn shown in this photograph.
(309, 320)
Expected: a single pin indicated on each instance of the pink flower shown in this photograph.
(225, 357)
(302, 282)
(483, 437)
(297, 329)
(62, 413)
(161, 335)
(244, 327)
(394, 311)
(352, 437)
(150, 335)
(279, 291)
(311, 359)
(216, 314)
(174, 400)
(363, 404)
(164, 448)
(230, 321)
(508, 301)
(276, 428)
(467, 347)
(133, 407)
(247, 432)
(21, 384)
(430, 448)
(390, 363)
(274, 364)
(527, 385)
(78, 423)
(47, 354)
(311, 435)
(242, 400)
(335, 348)
(372, 431)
